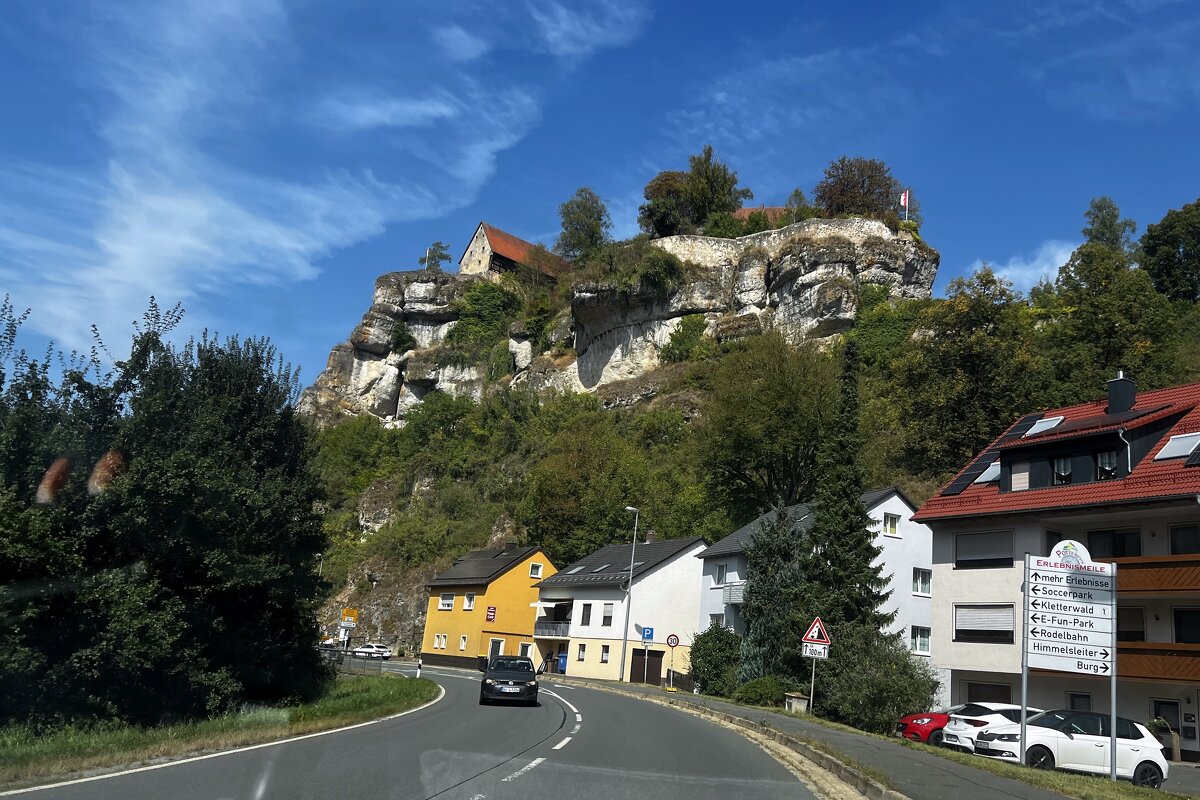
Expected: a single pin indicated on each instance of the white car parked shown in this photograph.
(1079, 741)
(966, 723)
(372, 651)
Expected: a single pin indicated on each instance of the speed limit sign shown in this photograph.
(672, 641)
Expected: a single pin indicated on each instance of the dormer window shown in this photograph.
(1062, 471)
(1106, 465)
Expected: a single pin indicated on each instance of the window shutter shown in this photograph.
(983, 618)
(983, 546)
(1020, 476)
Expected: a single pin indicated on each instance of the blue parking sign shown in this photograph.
(647, 634)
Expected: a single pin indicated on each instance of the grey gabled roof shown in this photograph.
(613, 563)
(482, 566)
(800, 514)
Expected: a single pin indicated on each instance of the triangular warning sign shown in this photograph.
(817, 633)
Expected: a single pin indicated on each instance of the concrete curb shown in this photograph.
(864, 784)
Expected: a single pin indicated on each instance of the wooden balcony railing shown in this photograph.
(1158, 661)
(1165, 575)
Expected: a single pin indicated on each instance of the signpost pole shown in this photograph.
(812, 686)
(671, 671)
(1112, 690)
(1024, 658)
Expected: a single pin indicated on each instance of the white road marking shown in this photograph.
(561, 744)
(575, 730)
(441, 694)
(522, 770)
(579, 717)
(564, 700)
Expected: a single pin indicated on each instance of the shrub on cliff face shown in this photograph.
(688, 341)
(402, 338)
(484, 313)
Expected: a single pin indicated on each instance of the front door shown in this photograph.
(497, 648)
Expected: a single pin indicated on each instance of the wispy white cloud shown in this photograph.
(577, 29)
(459, 43)
(347, 113)
(1026, 270)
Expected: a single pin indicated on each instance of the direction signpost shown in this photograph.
(1070, 604)
(815, 645)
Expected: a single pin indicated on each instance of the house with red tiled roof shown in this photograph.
(493, 251)
(1120, 475)
(774, 213)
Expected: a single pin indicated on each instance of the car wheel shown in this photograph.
(935, 738)
(482, 700)
(1148, 775)
(1039, 757)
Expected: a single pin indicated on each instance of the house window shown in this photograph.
(919, 640)
(979, 623)
(439, 641)
(462, 642)
(585, 615)
(446, 602)
(1062, 471)
(716, 619)
(603, 654)
(922, 581)
(722, 573)
(1187, 625)
(1053, 538)
(989, 693)
(978, 550)
(582, 653)
(1115, 543)
(535, 570)
(1020, 476)
(1106, 465)
(1131, 624)
(1079, 701)
(891, 524)
(1185, 539)
(496, 647)
(469, 601)
(608, 615)
(1168, 710)
(525, 649)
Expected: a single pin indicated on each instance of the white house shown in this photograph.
(582, 611)
(906, 557)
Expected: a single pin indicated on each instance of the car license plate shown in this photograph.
(982, 746)
(510, 688)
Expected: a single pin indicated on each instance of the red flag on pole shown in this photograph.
(904, 198)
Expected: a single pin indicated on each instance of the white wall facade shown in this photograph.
(910, 548)
(478, 256)
(712, 593)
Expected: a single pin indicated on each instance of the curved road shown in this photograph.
(578, 744)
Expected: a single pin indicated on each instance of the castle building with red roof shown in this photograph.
(493, 252)
(1120, 475)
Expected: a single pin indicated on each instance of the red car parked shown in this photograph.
(926, 726)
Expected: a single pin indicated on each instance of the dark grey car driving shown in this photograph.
(508, 678)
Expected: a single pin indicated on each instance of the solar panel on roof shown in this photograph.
(1023, 425)
(1194, 461)
(972, 472)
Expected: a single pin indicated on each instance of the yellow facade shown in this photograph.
(457, 635)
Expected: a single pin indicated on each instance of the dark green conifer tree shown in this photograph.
(771, 603)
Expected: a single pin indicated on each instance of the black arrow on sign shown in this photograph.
(1104, 655)
(1034, 618)
(1105, 667)
(1036, 577)
(1035, 589)
(1035, 632)
(1035, 604)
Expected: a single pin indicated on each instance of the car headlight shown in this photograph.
(531, 683)
(489, 682)
(1008, 737)
(922, 721)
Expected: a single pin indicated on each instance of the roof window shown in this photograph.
(1043, 425)
(1178, 446)
(601, 569)
(992, 473)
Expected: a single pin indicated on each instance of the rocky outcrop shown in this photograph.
(802, 280)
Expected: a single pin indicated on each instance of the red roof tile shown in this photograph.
(1149, 480)
(505, 244)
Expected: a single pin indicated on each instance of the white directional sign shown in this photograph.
(1069, 611)
(816, 650)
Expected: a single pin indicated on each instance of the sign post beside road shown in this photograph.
(815, 645)
(1070, 604)
(672, 642)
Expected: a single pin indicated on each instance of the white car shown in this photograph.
(372, 651)
(966, 723)
(1079, 741)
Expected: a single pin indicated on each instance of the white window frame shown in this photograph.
(499, 652)
(462, 642)
(722, 575)
(581, 653)
(535, 569)
(892, 530)
(914, 639)
(969, 563)
(606, 615)
(996, 610)
(525, 649)
(469, 601)
(604, 649)
(1181, 445)
(444, 604)
(585, 614)
(719, 619)
(927, 574)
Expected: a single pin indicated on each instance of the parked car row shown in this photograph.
(1066, 739)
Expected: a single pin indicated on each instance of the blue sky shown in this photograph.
(263, 161)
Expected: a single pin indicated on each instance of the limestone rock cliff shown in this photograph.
(802, 280)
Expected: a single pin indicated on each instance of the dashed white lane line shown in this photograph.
(575, 730)
(522, 770)
(579, 717)
(561, 744)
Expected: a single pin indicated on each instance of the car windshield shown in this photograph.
(511, 665)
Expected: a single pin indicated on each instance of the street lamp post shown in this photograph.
(629, 590)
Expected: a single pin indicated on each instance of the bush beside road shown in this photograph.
(26, 757)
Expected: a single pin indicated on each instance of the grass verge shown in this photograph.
(26, 758)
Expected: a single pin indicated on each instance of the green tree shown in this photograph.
(724, 226)
(862, 186)
(843, 582)
(773, 600)
(435, 255)
(1171, 253)
(762, 426)
(1105, 226)
(688, 340)
(712, 187)
(585, 225)
(798, 207)
(666, 211)
(714, 658)
(974, 365)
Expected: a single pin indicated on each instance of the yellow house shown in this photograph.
(484, 604)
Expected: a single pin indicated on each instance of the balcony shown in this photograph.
(732, 593)
(1158, 661)
(1162, 575)
(551, 630)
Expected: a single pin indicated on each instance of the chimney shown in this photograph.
(650, 537)
(1122, 392)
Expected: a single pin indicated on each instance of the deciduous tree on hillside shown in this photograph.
(585, 225)
(1171, 253)
(862, 186)
(1105, 226)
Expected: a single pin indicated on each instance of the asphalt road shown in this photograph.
(578, 744)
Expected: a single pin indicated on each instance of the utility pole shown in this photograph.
(629, 590)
